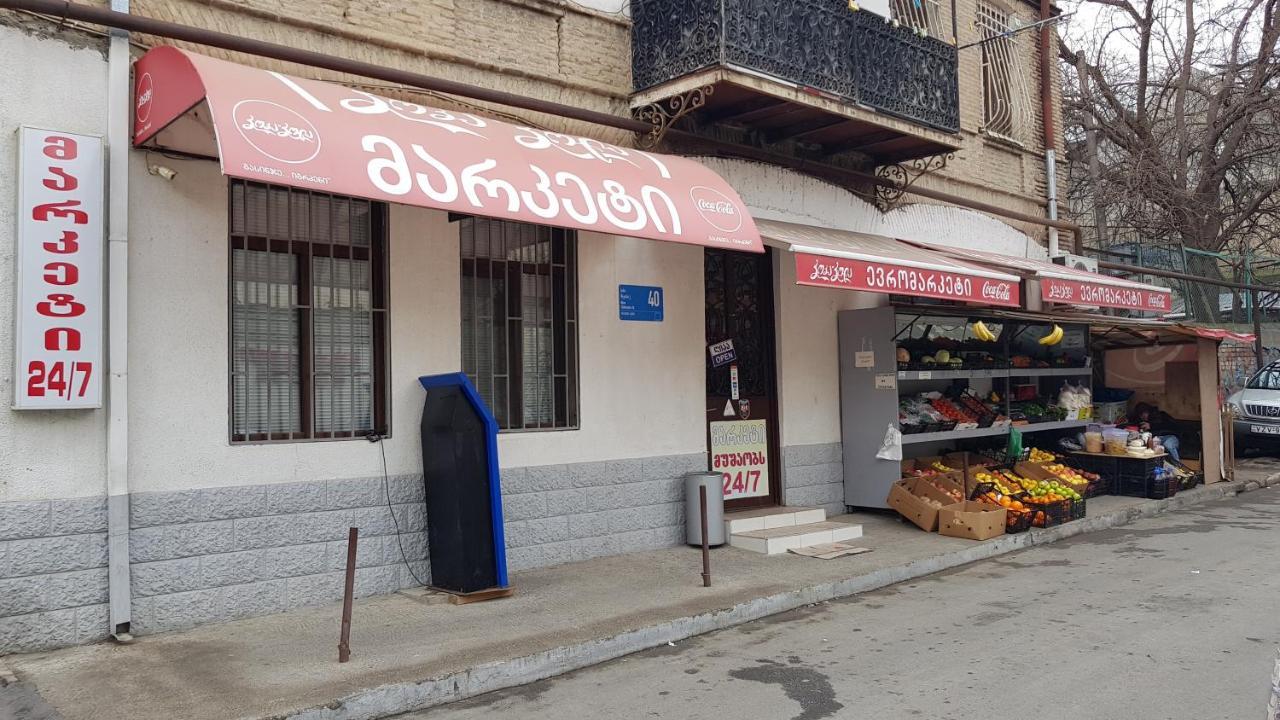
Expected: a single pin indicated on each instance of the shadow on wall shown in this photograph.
(775, 193)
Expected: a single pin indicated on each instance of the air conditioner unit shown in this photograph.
(1077, 262)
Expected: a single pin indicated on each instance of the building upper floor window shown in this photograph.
(924, 15)
(520, 321)
(308, 302)
(1006, 109)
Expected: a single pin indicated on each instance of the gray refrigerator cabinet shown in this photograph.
(868, 403)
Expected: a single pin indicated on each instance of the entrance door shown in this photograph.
(742, 405)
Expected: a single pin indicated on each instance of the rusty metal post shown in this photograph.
(344, 642)
(1229, 443)
(706, 540)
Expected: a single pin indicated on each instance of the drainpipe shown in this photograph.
(1046, 115)
(119, 101)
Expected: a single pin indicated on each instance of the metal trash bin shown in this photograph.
(712, 481)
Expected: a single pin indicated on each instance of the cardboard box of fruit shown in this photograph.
(919, 500)
(972, 520)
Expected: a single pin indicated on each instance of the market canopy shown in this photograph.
(269, 127)
(1065, 285)
(873, 263)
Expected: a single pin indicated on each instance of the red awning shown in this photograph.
(874, 263)
(1218, 333)
(1069, 286)
(321, 136)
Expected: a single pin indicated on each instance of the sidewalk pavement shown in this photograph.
(411, 651)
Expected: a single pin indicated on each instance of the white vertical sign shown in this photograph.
(58, 289)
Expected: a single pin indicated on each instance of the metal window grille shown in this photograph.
(308, 315)
(1006, 94)
(520, 321)
(927, 15)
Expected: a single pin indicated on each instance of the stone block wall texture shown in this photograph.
(216, 554)
(53, 573)
(814, 477)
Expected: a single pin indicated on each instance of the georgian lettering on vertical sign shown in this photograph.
(58, 293)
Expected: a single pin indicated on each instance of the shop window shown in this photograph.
(1005, 93)
(520, 321)
(308, 297)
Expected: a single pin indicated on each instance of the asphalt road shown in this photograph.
(1172, 617)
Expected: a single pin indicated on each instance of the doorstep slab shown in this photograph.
(767, 518)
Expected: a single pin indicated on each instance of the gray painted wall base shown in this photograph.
(216, 554)
(814, 477)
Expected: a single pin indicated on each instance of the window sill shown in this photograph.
(295, 441)
(1001, 140)
(522, 431)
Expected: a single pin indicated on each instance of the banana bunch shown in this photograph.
(981, 332)
(1053, 338)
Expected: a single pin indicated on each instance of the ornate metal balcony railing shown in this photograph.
(821, 44)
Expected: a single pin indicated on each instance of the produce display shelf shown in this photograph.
(991, 373)
(989, 431)
(1049, 372)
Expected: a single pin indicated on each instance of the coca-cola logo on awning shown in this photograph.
(716, 208)
(997, 291)
(146, 92)
(276, 131)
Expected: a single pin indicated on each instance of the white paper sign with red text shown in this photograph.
(740, 453)
(59, 288)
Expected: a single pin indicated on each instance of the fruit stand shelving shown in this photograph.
(990, 431)
(873, 377)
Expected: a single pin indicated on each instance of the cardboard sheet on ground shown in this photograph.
(829, 551)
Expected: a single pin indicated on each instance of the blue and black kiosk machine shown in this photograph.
(463, 489)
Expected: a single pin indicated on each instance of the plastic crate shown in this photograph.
(1138, 468)
(1077, 509)
(1109, 412)
(1017, 521)
(1148, 487)
(1055, 513)
(1101, 486)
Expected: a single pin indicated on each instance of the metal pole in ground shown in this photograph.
(706, 547)
(344, 641)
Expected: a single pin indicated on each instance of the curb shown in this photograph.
(396, 698)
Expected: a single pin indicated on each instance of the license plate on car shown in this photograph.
(1265, 429)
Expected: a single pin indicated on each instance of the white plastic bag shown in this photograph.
(891, 448)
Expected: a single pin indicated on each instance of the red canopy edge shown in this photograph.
(827, 257)
(1064, 285)
(1216, 333)
(314, 135)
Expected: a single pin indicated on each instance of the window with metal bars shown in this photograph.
(1005, 93)
(926, 15)
(308, 315)
(520, 321)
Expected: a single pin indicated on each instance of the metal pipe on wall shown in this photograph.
(119, 101)
(1050, 134)
(200, 36)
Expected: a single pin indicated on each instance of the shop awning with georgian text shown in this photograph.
(827, 257)
(274, 128)
(1064, 285)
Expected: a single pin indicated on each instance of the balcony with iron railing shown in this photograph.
(836, 77)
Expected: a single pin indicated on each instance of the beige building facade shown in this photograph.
(223, 526)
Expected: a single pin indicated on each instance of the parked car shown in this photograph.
(1257, 410)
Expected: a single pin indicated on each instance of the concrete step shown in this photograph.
(777, 540)
(768, 518)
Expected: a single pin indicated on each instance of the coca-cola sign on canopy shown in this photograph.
(322, 136)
